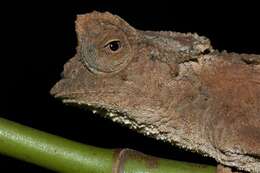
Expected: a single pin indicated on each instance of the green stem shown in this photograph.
(51, 151)
(63, 155)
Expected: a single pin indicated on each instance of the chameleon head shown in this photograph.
(128, 73)
(112, 70)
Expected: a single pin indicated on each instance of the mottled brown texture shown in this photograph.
(171, 86)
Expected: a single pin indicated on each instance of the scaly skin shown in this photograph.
(171, 86)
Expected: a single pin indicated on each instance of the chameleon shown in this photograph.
(171, 86)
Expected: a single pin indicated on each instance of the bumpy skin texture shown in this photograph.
(171, 86)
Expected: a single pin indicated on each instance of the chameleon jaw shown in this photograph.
(121, 117)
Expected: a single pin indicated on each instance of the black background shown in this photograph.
(37, 38)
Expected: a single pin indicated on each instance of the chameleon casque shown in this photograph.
(171, 86)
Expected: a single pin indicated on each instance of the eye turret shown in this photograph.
(106, 43)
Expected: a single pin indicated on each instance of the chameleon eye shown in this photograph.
(114, 45)
(106, 49)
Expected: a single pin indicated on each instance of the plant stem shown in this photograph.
(51, 151)
(64, 155)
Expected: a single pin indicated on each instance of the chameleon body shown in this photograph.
(171, 86)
